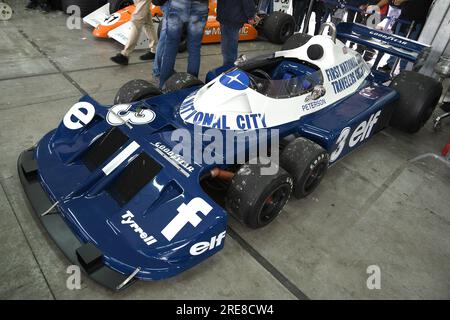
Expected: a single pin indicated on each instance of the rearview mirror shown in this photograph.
(317, 92)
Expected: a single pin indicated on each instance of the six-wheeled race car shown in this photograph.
(113, 21)
(115, 195)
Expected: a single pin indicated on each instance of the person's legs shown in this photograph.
(350, 15)
(138, 19)
(319, 10)
(229, 43)
(413, 36)
(177, 15)
(337, 16)
(161, 44)
(150, 32)
(196, 25)
(399, 31)
(299, 12)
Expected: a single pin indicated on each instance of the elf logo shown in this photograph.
(187, 213)
(204, 246)
(361, 133)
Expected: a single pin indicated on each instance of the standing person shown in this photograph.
(334, 9)
(194, 14)
(319, 10)
(353, 10)
(232, 14)
(299, 11)
(141, 18)
(412, 11)
(355, 16)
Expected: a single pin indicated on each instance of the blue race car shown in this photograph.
(117, 197)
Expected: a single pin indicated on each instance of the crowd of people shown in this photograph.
(190, 16)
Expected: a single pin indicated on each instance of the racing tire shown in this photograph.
(278, 27)
(295, 41)
(419, 96)
(136, 90)
(307, 162)
(86, 6)
(256, 199)
(182, 47)
(116, 5)
(179, 81)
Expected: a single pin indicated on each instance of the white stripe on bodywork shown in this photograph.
(121, 157)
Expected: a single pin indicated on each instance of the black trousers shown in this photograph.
(300, 7)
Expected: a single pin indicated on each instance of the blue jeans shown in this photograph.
(229, 43)
(401, 29)
(194, 14)
(161, 44)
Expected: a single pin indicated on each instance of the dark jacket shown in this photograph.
(235, 12)
(415, 10)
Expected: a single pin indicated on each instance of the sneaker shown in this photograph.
(386, 68)
(33, 4)
(147, 56)
(120, 59)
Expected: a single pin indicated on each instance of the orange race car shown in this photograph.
(276, 26)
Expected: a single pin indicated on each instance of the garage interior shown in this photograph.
(379, 206)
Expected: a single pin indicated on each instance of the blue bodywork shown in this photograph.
(94, 215)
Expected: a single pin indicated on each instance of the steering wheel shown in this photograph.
(260, 86)
(260, 72)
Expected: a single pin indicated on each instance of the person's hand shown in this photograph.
(372, 9)
(254, 20)
(398, 2)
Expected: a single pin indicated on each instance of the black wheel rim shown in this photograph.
(273, 204)
(314, 177)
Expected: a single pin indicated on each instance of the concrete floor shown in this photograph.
(374, 208)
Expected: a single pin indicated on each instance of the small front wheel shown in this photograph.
(179, 81)
(136, 90)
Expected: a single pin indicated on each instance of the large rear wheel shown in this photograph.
(278, 27)
(418, 97)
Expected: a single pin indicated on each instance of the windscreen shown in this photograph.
(287, 86)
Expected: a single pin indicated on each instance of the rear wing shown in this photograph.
(397, 46)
